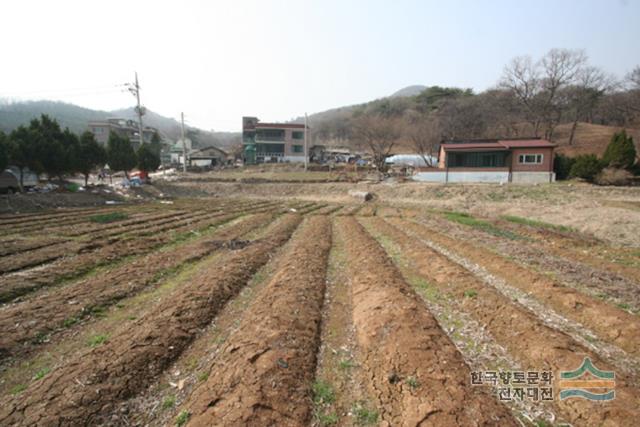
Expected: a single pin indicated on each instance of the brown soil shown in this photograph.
(35, 320)
(23, 282)
(264, 373)
(534, 344)
(86, 388)
(610, 323)
(401, 340)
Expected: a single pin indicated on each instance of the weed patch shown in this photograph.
(468, 220)
(108, 217)
(97, 340)
(538, 224)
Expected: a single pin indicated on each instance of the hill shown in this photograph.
(14, 114)
(590, 138)
(409, 91)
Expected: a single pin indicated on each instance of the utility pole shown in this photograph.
(306, 149)
(184, 145)
(135, 90)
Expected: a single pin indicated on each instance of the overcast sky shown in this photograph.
(219, 60)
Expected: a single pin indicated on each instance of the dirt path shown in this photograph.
(610, 323)
(338, 374)
(535, 345)
(84, 389)
(413, 370)
(265, 371)
(35, 320)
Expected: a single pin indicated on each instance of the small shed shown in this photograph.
(208, 157)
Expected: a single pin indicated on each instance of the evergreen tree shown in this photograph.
(120, 154)
(620, 153)
(562, 166)
(49, 146)
(4, 155)
(23, 152)
(90, 155)
(586, 166)
(148, 158)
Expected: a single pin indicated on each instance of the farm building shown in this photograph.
(272, 142)
(522, 160)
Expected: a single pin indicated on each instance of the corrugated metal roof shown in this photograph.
(533, 143)
(474, 146)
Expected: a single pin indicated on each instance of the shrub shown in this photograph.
(586, 166)
(614, 176)
(562, 166)
(620, 153)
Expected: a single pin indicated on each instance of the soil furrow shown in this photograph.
(337, 370)
(480, 349)
(611, 324)
(86, 389)
(21, 283)
(22, 261)
(265, 371)
(37, 318)
(536, 346)
(413, 369)
(581, 277)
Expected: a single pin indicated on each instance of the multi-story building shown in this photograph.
(272, 142)
(122, 127)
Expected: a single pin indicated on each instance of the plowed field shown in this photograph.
(236, 312)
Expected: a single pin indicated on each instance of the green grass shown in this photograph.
(108, 217)
(41, 373)
(96, 340)
(169, 402)
(69, 322)
(182, 418)
(323, 393)
(536, 223)
(203, 376)
(413, 382)
(346, 364)
(468, 220)
(329, 419)
(470, 293)
(17, 389)
(364, 415)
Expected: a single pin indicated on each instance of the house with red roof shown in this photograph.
(518, 160)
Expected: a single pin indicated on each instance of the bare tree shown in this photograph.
(537, 85)
(424, 134)
(522, 78)
(378, 134)
(590, 87)
(634, 78)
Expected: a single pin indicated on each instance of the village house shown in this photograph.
(272, 142)
(518, 160)
(122, 127)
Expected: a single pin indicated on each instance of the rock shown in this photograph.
(364, 196)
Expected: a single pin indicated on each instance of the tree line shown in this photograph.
(44, 147)
(531, 98)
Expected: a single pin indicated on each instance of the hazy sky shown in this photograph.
(219, 60)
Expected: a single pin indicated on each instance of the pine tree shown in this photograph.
(120, 154)
(620, 153)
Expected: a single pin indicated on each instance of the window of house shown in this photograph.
(530, 159)
(298, 149)
(297, 134)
